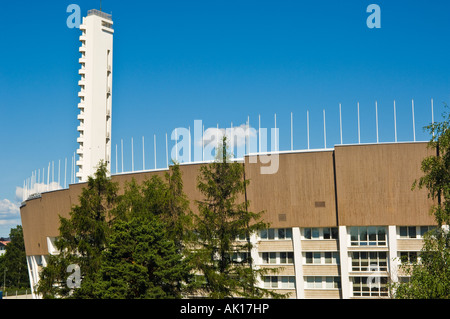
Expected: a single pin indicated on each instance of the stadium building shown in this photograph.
(340, 217)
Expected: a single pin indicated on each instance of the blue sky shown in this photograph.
(219, 62)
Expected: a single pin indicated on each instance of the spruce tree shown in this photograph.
(83, 238)
(145, 255)
(225, 263)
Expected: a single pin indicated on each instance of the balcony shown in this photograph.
(80, 151)
(80, 116)
(83, 38)
(82, 82)
(80, 139)
(82, 71)
(82, 49)
(82, 61)
(81, 106)
(81, 94)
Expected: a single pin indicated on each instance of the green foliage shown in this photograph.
(430, 277)
(223, 217)
(14, 262)
(141, 262)
(127, 246)
(83, 237)
(146, 256)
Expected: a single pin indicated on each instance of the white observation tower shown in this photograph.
(95, 93)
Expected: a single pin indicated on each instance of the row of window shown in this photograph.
(307, 233)
(408, 257)
(369, 261)
(359, 235)
(276, 234)
(321, 282)
(361, 260)
(368, 236)
(361, 286)
(370, 286)
(320, 233)
(320, 258)
(414, 231)
(277, 258)
(283, 282)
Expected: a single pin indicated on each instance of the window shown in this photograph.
(307, 233)
(408, 257)
(276, 234)
(242, 237)
(316, 258)
(315, 233)
(370, 286)
(369, 261)
(263, 233)
(425, 229)
(274, 282)
(408, 232)
(319, 282)
(332, 258)
(368, 236)
(286, 258)
(308, 258)
(278, 258)
(321, 258)
(411, 232)
(330, 233)
(283, 282)
(288, 282)
(321, 233)
(272, 258)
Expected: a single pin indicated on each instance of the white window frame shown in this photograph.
(372, 264)
(276, 232)
(320, 231)
(418, 230)
(374, 283)
(368, 242)
(322, 282)
(335, 258)
(279, 282)
(277, 258)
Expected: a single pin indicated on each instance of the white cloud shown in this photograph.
(9, 216)
(8, 210)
